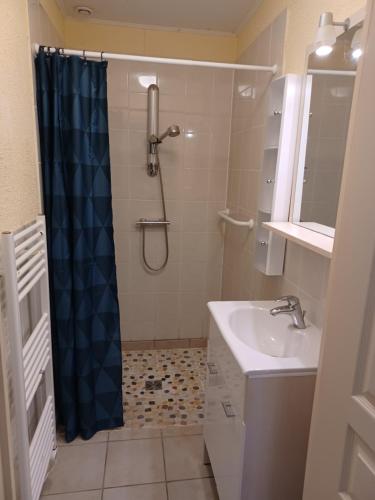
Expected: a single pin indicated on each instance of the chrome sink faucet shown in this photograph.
(293, 307)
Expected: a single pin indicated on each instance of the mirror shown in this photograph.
(328, 94)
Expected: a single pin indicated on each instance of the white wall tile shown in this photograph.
(306, 273)
(194, 168)
(195, 184)
(194, 216)
(119, 146)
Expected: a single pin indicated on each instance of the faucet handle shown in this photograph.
(290, 299)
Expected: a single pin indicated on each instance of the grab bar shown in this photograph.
(224, 214)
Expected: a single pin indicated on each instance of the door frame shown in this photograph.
(350, 292)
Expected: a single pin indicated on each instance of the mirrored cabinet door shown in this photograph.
(328, 94)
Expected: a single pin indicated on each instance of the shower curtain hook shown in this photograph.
(101, 56)
(48, 51)
(84, 55)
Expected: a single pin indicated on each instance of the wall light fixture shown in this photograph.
(326, 34)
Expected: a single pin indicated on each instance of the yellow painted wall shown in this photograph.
(19, 189)
(91, 35)
(55, 15)
(160, 43)
(303, 17)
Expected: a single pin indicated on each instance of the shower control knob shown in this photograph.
(269, 181)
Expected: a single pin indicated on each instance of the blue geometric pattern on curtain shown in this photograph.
(74, 143)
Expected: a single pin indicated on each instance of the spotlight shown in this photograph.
(326, 35)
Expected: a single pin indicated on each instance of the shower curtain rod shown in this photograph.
(161, 60)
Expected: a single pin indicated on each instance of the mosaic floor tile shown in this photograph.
(163, 388)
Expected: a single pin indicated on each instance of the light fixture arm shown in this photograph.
(327, 19)
(345, 24)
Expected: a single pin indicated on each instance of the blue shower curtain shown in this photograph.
(74, 144)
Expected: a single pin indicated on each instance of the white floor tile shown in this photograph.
(141, 492)
(83, 495)
(196, 489)
(123, 433)
(179, 430)
(133, 462)
(184, 458)
(77, 468)
(99, 437)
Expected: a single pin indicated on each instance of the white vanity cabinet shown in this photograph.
(224, 429)
(256, 427)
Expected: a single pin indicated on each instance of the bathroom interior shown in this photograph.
(186, 292)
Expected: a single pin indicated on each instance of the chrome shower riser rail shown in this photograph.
(162, 60)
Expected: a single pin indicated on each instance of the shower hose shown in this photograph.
(149, 267)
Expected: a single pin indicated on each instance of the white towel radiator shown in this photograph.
(25, 269)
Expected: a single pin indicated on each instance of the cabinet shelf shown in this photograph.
(319, 243)
(277, 171)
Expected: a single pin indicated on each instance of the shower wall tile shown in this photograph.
(305, 273)
(167, 315)
(217, 184)
(118, 118)
(170, 304)
(195, 184)
(120, 181)
(121, 215)
(119, 146)
(123, 245)
(171, 82)
(194, 216)
(137, 101)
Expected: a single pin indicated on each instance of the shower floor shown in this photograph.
(164, 387)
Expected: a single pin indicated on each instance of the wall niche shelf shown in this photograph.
(317, 242)
(276, 175)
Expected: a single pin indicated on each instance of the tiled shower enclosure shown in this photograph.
(170, 304)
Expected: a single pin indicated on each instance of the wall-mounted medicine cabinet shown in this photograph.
(277, 171)
(326, 101)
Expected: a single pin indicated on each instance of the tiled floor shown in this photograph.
(164, 387)
(133, 464)
(158, 455)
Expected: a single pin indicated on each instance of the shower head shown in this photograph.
(172, 131)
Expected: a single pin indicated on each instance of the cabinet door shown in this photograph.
(224, 430)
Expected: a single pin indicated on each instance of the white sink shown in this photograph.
(271, 335)
(264, 343)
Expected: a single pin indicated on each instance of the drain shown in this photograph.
(153, 385)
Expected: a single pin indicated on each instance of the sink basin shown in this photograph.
(271, 335)
(262, 343)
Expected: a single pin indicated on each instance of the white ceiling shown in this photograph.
(214, 15)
